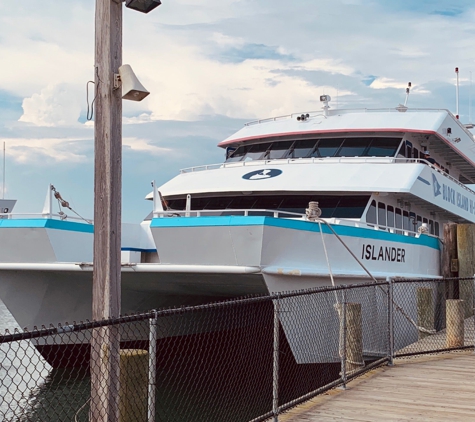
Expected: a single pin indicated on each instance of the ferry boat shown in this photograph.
(304, 200)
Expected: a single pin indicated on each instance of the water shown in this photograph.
(209, 376)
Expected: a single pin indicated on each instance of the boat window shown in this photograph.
(381, 214)
(398, 220)
(419, 222)
(257, 151)
(431, 227)
(353, 147)
(390, 216)
(383, 147)
(408, 149)
(349, 207)
(436, 228)
(237, 154)
(371, 214)
(243, 202)
(415, 152)
(406, 224)
(331, 206)
(302, 149)
(268, 202)
(278, 150)
(327, 147)
(215, 204)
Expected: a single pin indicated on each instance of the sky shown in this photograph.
(210, 65)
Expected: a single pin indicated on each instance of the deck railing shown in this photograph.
(286, 214)
(345, 111)
(39, 215)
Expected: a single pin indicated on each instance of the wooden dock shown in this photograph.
(434, 388)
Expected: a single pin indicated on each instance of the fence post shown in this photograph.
(390, 321)
(152, 368)
(425, 310)
(344, 339)
(275, 368)
(455, 323)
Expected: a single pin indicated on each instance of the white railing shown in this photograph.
(284, 214)
(237, 212)
(343, 111)
(39, 215)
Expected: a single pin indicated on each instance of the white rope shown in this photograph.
(329, 269)
(398, 308)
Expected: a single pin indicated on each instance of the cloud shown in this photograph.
(384, 83)
(44, 151)
(143, 145)
(55, 105)
(134, 120)
(252, 52)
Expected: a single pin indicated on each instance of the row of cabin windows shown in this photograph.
(308, 148)
(391, 217)
(350, 206)
(410, 151)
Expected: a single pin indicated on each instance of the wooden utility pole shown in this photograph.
(105, 342)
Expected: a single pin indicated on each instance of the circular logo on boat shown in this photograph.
(262, 174)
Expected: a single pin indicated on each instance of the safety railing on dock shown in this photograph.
(247, 359)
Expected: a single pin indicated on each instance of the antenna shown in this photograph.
(457, 93)
(470, 100)
(408, 91)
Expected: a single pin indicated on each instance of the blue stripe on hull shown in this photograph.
(47, 223)
(130, 249)
(235, 220)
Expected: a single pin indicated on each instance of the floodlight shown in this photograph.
(143, 6)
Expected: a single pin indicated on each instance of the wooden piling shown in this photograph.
(425, 310)
(353, 352)
(466, 264)
(354, 337)
(449, 261)
(133, 385)
(455, 323)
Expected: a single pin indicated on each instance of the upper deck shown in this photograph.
(425, 121)
(437, 130)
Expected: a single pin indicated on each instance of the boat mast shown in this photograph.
(470, 100)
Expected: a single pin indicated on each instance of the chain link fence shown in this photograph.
(242, 360)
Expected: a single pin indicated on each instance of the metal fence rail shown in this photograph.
(242, 360)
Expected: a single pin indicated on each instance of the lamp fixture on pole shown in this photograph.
(143, 6)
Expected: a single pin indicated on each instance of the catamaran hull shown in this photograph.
(206, 260)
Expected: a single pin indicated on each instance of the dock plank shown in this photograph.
(433, 388)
